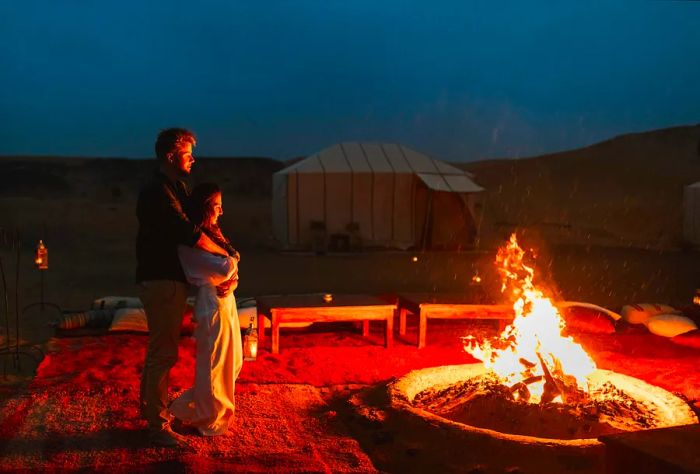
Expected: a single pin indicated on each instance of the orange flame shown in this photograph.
(532, 348)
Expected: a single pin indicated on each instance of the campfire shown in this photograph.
(531, 356)
(532, 363)
(536, 390)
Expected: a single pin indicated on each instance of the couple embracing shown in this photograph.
(179, 242)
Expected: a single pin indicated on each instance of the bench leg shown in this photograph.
(261, 329)
(422, 323)
(402, 322)
(365, 328)
(275, 334)
(389, 335)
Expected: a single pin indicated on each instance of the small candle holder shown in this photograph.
(327, 298)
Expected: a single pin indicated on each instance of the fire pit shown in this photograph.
(537, 403)
(467, 397)
(466, 419)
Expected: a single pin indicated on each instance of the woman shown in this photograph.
(209, 405)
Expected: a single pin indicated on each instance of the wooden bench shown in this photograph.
(447, 306)
(314, 309)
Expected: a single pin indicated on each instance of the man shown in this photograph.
(163, 288)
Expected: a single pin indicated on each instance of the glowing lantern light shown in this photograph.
(41, 258)
(250, 342)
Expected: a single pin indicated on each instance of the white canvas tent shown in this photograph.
(691, 213)
(386, 195)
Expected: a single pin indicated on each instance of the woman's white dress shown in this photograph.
(209, 405)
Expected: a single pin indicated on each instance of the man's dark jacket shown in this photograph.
(163, 225)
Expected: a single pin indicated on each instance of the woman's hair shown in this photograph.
(200, 208)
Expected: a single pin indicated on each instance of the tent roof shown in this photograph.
(385, 158)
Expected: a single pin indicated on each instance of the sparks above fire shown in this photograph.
(531, 356)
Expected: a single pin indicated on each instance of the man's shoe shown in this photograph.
(166, 438)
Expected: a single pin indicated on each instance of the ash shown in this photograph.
(487, 403)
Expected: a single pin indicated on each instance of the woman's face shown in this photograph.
(217, 209)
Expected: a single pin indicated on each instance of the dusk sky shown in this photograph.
(458, 80)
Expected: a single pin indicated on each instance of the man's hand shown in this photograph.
(227, 287)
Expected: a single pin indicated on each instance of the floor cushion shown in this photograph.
(94, 318)
(129, 319)
(670, 325)
(134, 320)
(586, 318)
(640, 313)
(116, 302)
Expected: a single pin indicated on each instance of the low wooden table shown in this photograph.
(313, 309)
(661, 450)
(447, 306)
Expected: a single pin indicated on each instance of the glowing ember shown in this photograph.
(531, 356)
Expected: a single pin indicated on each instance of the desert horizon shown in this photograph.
(612, 209)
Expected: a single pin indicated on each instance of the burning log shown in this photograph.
(521, 388)
(520, 391)
(560, 384)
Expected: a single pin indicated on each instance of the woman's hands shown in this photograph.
(227, 287)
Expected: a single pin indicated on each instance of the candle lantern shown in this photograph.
(696, 297)
(41, 258)
(250, 342)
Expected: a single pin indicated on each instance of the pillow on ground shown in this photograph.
(247, 309)
(116, 302)
(670, 325)
(689, 339)
(134, 320)
(640, 313)
(94, 318)
(587, 319)
(129, 319)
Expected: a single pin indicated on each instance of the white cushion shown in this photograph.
(670, 325)
(640, 313)
(115, 302)
(129, 319)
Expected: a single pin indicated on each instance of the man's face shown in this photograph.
(182, 159)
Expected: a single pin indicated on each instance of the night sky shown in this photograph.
(458, 80)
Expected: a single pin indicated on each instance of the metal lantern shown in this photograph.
(41, 258)
(250, 342)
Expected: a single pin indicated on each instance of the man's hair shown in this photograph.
(170, 139)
